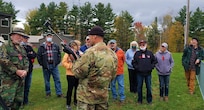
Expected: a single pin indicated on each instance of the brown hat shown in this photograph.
(19, 31)
(97, 30)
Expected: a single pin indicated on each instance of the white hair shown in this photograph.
(133, 42)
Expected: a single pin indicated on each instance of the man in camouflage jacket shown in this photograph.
(95, 70)
(14, 67)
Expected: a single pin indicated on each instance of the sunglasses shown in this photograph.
(112, 43)
(142, 44)
(87, 39)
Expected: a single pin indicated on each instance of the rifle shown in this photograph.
(3, 105)
(66, 47)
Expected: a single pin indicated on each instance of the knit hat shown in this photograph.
(165, 45)
(194, 38)
(97, 30)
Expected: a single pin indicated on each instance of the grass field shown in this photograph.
(179, 98)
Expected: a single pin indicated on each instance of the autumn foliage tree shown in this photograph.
(166, 24)
(176, 38)
(29, 16)
(139, 31)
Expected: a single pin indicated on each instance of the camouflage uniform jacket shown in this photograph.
(12, 58)
(1, 54)
(95, 70)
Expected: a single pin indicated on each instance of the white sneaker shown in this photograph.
(69, 107)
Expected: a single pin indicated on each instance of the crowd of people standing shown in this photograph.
(96, 67)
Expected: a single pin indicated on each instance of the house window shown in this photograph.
(5, 36)
(4, 22)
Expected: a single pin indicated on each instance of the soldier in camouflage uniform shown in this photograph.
(14, 64)
(2, 41)
(95, 70)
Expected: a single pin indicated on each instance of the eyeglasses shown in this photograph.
(162, 46)
(87, 39)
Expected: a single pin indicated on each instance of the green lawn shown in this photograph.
(179, 98)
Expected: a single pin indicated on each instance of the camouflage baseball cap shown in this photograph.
(19, 31)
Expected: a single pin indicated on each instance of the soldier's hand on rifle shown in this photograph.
(71, 57)
(66, 49)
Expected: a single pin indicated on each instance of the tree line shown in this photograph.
(78, 20)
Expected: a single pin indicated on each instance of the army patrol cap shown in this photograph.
(18, 30)
(97, 30)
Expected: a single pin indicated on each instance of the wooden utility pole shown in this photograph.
(187, 24)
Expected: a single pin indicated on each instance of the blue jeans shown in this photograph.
(28, 79)
(56, 76)
(121, 89)
(147, 79)
(164, 85)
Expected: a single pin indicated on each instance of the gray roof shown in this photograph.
(34, 39)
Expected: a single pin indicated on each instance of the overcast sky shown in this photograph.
(142, 10)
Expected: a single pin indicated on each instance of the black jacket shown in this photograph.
(42, 55)
(144, 62)
(31, 54)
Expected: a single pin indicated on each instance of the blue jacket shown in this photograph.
(165, 62)
(83, 48)
(42, 55)
(129, 57)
